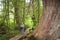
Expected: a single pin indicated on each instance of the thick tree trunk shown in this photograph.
(49, 21)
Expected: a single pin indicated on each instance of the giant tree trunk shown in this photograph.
(49, 21)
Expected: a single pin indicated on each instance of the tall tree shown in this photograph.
(49, 21)
(17, 12)
(6, 13)
(19, 15)
(38, 9)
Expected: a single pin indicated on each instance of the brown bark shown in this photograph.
(49, 21)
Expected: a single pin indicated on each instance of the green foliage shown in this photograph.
(8, 22)
(28, 22)
(3, 37)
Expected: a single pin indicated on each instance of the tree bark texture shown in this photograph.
(49, 21)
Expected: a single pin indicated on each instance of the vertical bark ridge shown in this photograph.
(48, 23)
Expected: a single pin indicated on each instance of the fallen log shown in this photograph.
(21, 37)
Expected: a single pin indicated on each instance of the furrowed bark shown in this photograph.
(49, 21)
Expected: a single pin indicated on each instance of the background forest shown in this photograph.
(14, 12)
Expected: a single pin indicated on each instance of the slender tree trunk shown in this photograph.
(17, 13)
(38, 10)
(7, 13)
(49, 21)
(24, 12)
